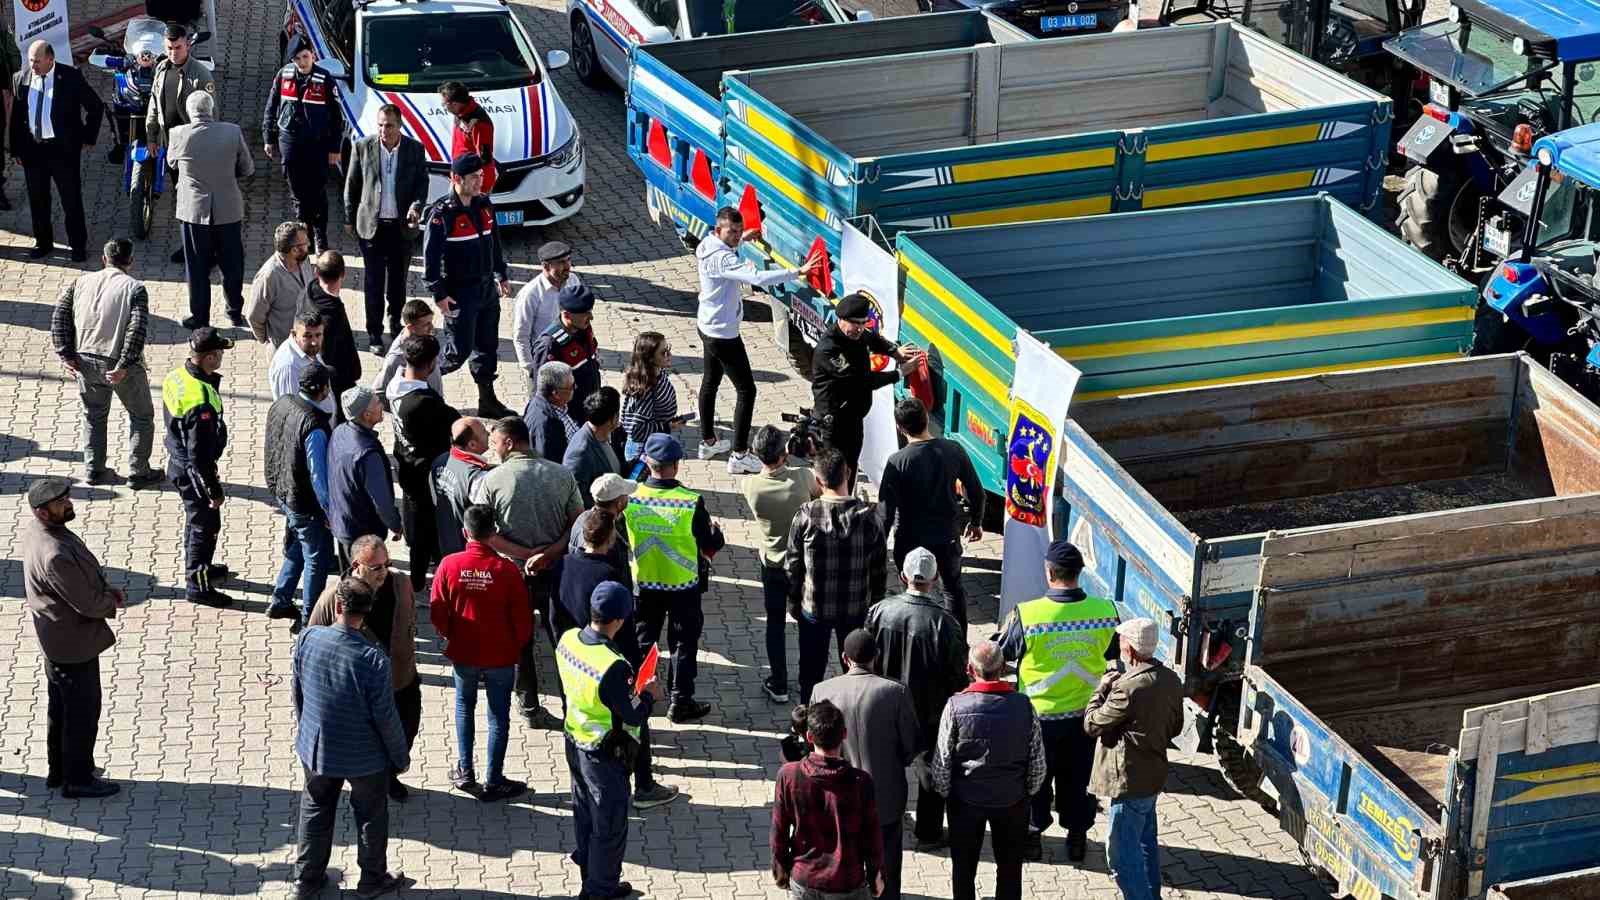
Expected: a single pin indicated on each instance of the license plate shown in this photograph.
(1439, 93)
(1497, 242)
(508, 217)
(1066, 23)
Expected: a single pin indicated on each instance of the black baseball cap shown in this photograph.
(207, 339)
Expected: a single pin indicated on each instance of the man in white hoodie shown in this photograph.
(721, 310)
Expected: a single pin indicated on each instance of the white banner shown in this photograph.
(43, 20)
(872, 271)
(1041, 392)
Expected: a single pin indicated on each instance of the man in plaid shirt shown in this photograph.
(837, 560)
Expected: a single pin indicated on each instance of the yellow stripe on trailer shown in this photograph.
(1062, 209)
(985, 330)
(1071, 161)
(1221, 190)
(1233, 143)
(1263, 333)
(809, 204)
(1264, 376)
(975, 370)
(784, 140)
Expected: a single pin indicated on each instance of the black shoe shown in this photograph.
(191, 323)
(219, 572)
(777, 693)
(687, 711)
(78, 254)
(297, 626)
(54, 780)
(1033, 847)
(388, 884)
(100, 476)
(375, 344)
(1077, 847)
(398, 792)
(177, 256)
(930, 845)
(93, 789)
(304, 890)
(654, 795)
(505, 789)
(114, 155)
(39, 252)
(237, 319)
(623, 889)
(214, 599)
(489, 406)
(147, 479)
(463, 780)
(283, 611)
(539, 717)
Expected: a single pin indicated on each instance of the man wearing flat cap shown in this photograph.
(69, 602)
(842, 377)
(360, 476)
(570, 339)
(1132, 716)
(191, 401)
(464, 268)
(536, 305)
(1061, 643)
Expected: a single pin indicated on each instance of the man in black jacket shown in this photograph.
(421, 435)
(339, 351)
(296, 462)
(842, 377)
(385, 187)
(55, 116)
(920, 485)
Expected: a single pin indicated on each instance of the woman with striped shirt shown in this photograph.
(649, 401)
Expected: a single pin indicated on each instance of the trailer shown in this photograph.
(1166, 299)
(1581, 885)
(1035, 130)
(675, 113)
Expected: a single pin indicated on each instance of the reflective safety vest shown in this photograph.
(661, 529)
(582, 666)
(1065, 652)
(182, 393)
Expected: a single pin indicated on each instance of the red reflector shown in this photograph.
(700, 175)
(1510, 273)
(750, 209)
(656, 144)
(1442, 115)
(820, 278)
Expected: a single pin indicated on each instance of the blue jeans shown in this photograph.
(307, 558)
(1131, 848)
(497, 685)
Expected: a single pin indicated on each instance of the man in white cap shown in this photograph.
(1134, 712)
(611, 493)
(360, 476)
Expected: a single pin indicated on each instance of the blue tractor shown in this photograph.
(1501, 75)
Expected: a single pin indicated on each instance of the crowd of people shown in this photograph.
(572, 519)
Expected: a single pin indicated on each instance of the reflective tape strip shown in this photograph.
(1058, 627)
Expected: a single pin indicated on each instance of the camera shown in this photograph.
(794, 745)
(803, 440)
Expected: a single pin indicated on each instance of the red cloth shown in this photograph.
(480, 607)
(825, 825)
(474, 133)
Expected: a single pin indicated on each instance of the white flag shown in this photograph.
(870, 270)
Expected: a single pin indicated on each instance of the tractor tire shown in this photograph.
(1438, 211)
(1238, 770)
(1492, 334)
(141, 201)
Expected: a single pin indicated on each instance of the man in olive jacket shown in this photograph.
(1133, 715)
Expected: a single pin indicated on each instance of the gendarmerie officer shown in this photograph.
(196, 436)
(464, 268)
(303, 126)
(570, 339)
(842, 379)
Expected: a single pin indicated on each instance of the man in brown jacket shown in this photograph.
(70, 602)
(1134, 713)
(392, 625)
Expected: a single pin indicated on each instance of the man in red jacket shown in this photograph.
(472, 130)
(480, 609)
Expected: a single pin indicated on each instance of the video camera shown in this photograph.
(804, 441)
(794, 744)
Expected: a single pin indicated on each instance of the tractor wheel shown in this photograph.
(1438, 211)
(1238, 769)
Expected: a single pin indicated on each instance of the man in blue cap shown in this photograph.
(604, 714)
(465, 270)
(673, 538)
(1061, 643)
(569, 339)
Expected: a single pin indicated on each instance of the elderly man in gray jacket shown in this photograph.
(210, 157)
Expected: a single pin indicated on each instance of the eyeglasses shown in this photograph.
(375, 566)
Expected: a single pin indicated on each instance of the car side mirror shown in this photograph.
(198, 37)
(557, 59)
(863, 15)
(658, 34)
(336, 69)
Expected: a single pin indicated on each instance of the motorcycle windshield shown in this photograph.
(144, 37)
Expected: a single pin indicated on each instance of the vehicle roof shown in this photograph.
(1573, 25)
(430, 7)
(1576, 152)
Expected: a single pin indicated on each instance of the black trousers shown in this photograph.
(319, 805)
(223, 244)
(892, 857)
(1070, 755)
(385, 260)
(307, 174)
(627, 641)
(727, 356)
(1009, 825)
(813, 644)
(408, 700)
(775, 598)
(684, 619)
(421, 525)
(930, 803)
(74, 718)
(526, 685)
(60, 164)
(948, 556)
(845, 434)
(201, 524)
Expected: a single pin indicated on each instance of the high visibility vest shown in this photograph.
(581, 667)
(182, 393)
(1065, 652)
(661, 530)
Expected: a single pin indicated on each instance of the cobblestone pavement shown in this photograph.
(197, 722)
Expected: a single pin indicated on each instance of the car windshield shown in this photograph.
(738, 16)
(419, 53)
(1472, 58)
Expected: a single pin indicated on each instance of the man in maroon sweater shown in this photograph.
(480, 609)
(825, 834)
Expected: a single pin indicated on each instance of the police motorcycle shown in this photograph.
(133, 69)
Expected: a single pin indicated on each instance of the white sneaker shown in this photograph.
(707, 451)
(745, 463)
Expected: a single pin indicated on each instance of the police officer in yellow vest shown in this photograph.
(671, 538)
(604, 713)
(196, 436)
(1061, 643)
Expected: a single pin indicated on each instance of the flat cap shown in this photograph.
(466, 164)
(610, 486)
(46, 491)
(576, 298)
(553, 250)
(1140, 635)
(207, 339)
(611, 601)
(854, 308)
(354, 401)
(662, 449)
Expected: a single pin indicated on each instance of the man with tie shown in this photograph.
(54, 118)
(385, 188)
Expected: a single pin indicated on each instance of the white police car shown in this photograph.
(400, 52)
(604, 32)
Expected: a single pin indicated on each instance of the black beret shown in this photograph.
(854, 308)
(466, 164)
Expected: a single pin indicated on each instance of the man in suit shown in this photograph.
(385, 187)
(211, 157)
(880, 737)
(55, 116)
